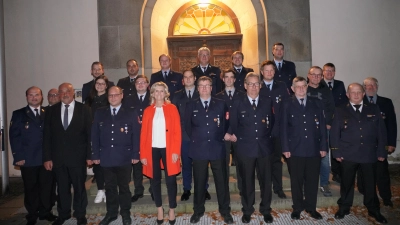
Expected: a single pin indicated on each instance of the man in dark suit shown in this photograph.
(389, 117)
(180, 99)
(358, 139)
(66, 150)
(205, 69)
(252, 119)
(128, 83)
(96, 70)
(286, 70)
(304, 142)
(26, 135)
(277, 92)
(240, 70)
(119, 149)
(172, 79)
(339, 96)
(317, 89)
(138, 101)
(206, 121)
(229, 95)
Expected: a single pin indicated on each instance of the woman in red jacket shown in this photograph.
(160, 147)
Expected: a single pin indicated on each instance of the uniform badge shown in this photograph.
(345, 124)
(316, 122)
(27, 125)
(122, 129)
(126, 128)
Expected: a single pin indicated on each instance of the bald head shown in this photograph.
(34, 96)
(53, 97)
(66, 92)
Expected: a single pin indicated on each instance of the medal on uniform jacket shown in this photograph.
(383, 115)
(27, 125)
(345, 124)
(267, 121)
(217, 120)
(316, 122)
(126, 128)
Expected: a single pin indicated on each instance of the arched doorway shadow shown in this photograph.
(156, 16)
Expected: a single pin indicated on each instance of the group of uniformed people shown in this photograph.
(255, 117)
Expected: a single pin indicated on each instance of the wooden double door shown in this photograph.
(183, 50)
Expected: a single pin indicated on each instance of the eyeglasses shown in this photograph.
(204, 86)
(253, 84)
(300, 86)
(52, 95)
(101, 84)
(113, 95)
(315, 75)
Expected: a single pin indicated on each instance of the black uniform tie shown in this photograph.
(357, 108)
(189, 96)
(141, 99)
(330, 85)
(371, 99)
(206, 105)
(302, 103)
(132, 80)
(204, 69)
(37, 116)
(238, 70)
(279, 66)
(230, 95)
(268, 87)
(165, 75)
(65, 123)
(254, 104)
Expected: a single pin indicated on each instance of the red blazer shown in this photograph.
(173, 139)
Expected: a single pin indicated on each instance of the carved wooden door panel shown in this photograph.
(183, 50)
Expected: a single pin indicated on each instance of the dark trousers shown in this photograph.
(231, 147)
(117, 190)
(157, 155)
(348, 170)
(187, 168)
(137, 177)
(335, 166)
(66, 176)
(200, 173)
(304, 175)
(382, 180)
(38, 191)
(276, 161)
(247, 167)
(99, 176)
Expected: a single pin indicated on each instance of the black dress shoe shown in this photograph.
(388, 203)
(185, 196)
(336, 178)
(81, 221)
(107, 219)
(196, 217)
(48, 217)
(246, 218)
(207, 196)
(268, 218)
(136, 197)
(378, 216)
(58, 221)
(295, 215)
(341, 213)
(228, 218)
(126, 220)
(31, 222)
(280, 194)
(172, 222)
(314, 214)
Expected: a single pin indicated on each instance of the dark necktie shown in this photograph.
(189, 96)
(279, 66)
(330, 85)
(302, 103)
(165, 75)
(357, 108)
(141, 99)
(268, 87)
(132, 80)
(230, 95)
(204, 69)
(371, 99)
(37, 116)
(206, 105)
(65, 124)
(254, 104)
(238, 70)
(114, 114)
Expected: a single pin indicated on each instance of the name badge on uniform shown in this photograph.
(195, 111)
(369, 116)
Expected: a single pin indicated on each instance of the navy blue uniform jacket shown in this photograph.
(174, 81)
(252, 127)
(214, 73)
(286, 74)
(26, 136)
(278, 94)
(303, 131)
(180, 100)
(128, 88)
(206, 129)
(115, 142)
(389, 116)
(239, 82)
(133, 102)
(359, 138)
(338, 92)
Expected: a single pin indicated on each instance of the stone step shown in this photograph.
(147, 206)
(211, 189)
